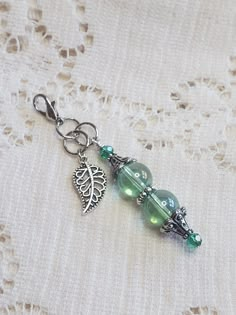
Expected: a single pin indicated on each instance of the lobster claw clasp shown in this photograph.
(50, 111)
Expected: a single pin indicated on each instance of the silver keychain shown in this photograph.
(134, 180)
(89, 180)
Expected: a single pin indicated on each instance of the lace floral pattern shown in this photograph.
(201, 310)
(51, 47)
(9, 266)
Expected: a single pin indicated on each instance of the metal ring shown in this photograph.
(94, 128)
(60, 122)
(75, 136)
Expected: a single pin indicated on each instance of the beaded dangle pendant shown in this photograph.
(161, 208)
(134, 180)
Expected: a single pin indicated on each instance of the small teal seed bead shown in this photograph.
(133, 178)
(194, 240)
(158, 206)
(106, 151)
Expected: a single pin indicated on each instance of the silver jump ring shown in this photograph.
(70, 135)
(74, 135)
(90, 139)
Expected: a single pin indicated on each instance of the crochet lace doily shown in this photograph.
(158, 78)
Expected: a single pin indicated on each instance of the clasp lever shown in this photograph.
(50, 112)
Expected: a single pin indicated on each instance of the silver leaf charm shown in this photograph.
(90, 181)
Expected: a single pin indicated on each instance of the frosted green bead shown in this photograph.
(194, 240)
(133, 178)
(158, 206)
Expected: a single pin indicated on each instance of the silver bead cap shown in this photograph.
(177, 224)
(117, 162)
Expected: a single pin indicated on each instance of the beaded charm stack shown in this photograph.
(161, 208)
(134, 180)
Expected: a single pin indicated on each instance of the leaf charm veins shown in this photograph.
(90, 181)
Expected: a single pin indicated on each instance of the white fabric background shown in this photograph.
(158, 78)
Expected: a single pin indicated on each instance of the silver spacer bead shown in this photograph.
(144, 194)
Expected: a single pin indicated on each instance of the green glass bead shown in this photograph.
(106, 151)
(133, 178)
(194, 240)
(158, 206)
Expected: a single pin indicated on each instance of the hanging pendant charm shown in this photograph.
(90, 182)
(134, 180)
(160, 207)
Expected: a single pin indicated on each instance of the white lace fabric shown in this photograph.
(158, 78)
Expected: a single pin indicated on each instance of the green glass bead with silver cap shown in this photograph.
(160, 207)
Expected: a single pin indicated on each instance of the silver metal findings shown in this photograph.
(89, 180)
(117, 162)
(50, 112)
(177, 224)
(143, 195)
